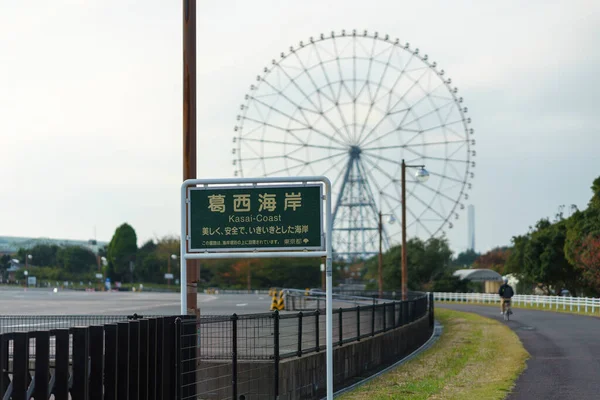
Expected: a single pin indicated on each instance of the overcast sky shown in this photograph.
(91, 92)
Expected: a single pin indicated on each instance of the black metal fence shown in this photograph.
(238, 356)
(131, 359)
(28, 323)
(176, 357)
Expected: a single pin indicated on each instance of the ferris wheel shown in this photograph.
(351, 106)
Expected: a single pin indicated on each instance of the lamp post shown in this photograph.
(391, 220)
(172, 257)
(323, 277)
(27, 257)
(421, 176)
(104, 263)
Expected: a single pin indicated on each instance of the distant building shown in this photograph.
(13, 267)
(12, 244)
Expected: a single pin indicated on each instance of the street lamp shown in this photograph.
(421, 176)
(391, 220)
(28, 257)
(172, 257)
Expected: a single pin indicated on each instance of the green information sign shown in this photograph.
(256, 218)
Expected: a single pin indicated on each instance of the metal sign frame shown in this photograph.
(259, 249)
(305, 253)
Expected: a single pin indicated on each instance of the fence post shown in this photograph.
(431, 314)
(160, 350)
(143, 365)
(4, 378)
(178, 359)
(299, 352)
(276, 349)
(96, 350)
(110, 362)
(383, 318)
(340, 326)
(317, 314)
(61, 364)
(393, 321)
(134, 359)
(234, 319)
(80, 363)
(122, 360)
(152, 361)
(358, 323)
(373, 320)
(42, 365)
(20, 373)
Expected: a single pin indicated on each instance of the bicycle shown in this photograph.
(507, 310)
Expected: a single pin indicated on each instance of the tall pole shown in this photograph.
(404, 269)
(169, 271)
(380, 267)
(189, 128)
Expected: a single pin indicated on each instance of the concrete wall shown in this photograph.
(304, 377)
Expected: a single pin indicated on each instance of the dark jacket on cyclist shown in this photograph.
(506, 291)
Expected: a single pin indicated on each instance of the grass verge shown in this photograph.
(581, 311)
(475, 358)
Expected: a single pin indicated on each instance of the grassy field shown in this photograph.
(475, 358)
(530, 307)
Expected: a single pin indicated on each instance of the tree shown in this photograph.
(147, 268)
(539, 257)
(426, 261)
(447, 282)
(583, 232)
(121, 253)
(77, 261)
(4, 261)
(494, 259)
(43, 255)
(465, 258)
(588, 259)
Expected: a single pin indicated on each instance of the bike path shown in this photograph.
(564, 349)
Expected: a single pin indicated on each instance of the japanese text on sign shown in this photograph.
(265, 217)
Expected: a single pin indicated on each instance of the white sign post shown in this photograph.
(281, 250)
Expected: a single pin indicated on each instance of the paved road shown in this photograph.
(564, 349)
(24, 310)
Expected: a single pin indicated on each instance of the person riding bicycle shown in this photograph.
(506, 292)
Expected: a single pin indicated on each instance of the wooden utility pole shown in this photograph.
(189, 130)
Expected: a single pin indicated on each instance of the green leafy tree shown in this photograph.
(494, 259)
(426, 261)
(465, 258)
(583, 232)
(121, 253)
(4, 261)
(43, 255)
(539, 257)
(447, 282)
(147, 268)
(76, 261)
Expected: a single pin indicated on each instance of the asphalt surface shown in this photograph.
(40, 309)
(564, 349)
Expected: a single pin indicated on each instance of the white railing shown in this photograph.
(579, 304)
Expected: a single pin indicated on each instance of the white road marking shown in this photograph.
(242, 305)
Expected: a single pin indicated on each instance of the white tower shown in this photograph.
(471, 219)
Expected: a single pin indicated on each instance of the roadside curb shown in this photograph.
(437, 332)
